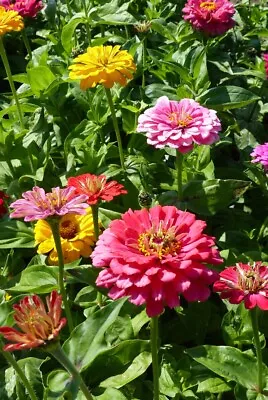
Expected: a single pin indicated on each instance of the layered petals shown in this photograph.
(10, 21)
(25, 8)
(260, 155)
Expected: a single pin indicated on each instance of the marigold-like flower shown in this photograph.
(77, 237)
(155, 255)
(265, 58)
(96, 187)
(36, 204)
(244, 282)
(26, 8)
(212, 17)
(38, 325)
(103, 64)
(3, 209)
(179, 124)
(10, 21)
(260, 155)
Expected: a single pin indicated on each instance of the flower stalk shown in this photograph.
(95, 215)
(54, 224)
(179, 164)
(26, 43)
(257, 344)
(154, 350)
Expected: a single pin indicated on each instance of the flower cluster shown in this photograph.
(211, 17)
(260, 155)
(104, 65)
(179, 124)
(10, 21)
(155, 255)
(25, 8)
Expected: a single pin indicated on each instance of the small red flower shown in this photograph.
(96, 187)
(3, 209)
(38, 325)
(265, 59)
(244, 282)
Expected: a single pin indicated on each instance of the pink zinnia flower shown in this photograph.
(96, 187)
(155, 255)
(179, 124)
(26, 8)
(260, 155)
(36, 204)
(38, 326)
(244, 282)
(265, 58)
(212, 17)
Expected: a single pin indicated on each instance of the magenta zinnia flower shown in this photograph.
(36, 204)
(212, 17)
(244, 282)
(179, 124)
(38, 325)
(265, 58)
(260, 155)
(26, 8)
(155, 255)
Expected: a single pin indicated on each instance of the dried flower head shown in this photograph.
(143, 26)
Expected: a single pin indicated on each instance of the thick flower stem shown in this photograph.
(62, 358)
(11, 360)
(26, 43)
(54, 224)
(144, 49)
(87, 23)
(255, 328)
(116, 128)
(10, 80)
(95, 215)
(154, 349)
(179, 163)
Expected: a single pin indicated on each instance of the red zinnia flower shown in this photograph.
(36, 323)
(96, 187)
(244, 282)
(26, 8)
(3, 209)
(265, 58)
(155, 255)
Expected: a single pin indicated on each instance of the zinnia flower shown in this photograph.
(36, 204)
(244, 282)
(265, 58)
(26, 8)
(77, 237)
(103, 64)
(10, 21)
(212, 17)
(3, 209)
(38, 325)
(155, 255)
(96, 187)
(179, 124)
(260, 155)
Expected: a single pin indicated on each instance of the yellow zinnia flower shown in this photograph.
(103, 64)
(10, 21)
(77, 237)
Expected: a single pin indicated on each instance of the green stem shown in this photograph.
(116, 128)
(256, 102)
(179, 162)
(26, 43)
(154, 349)
(254, 321)
(10, 80)
(87, 24)
(62, 358)
(95, 215)
(69, 8)
(11, 360)
(54, 224)
(144, 47)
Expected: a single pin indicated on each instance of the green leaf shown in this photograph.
(37, 279)
(230, 363)
(213, 385)
(15, 234)
(61, 386)
(137, 368)
(40, 78)
(111, 394)
(67, 33)
(227, 97)
(156, 90)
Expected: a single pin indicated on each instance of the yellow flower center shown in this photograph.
(182, 120)
(208, 5)
(158, 242)
(68, 229)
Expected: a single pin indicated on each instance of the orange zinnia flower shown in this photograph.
(10, 21)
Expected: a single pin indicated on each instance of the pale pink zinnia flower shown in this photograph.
(212, 17)
(155, 255)
(260, 155)
(36, 204)
(179, 124)
(244, 282)
(26, 8)
(265, 58)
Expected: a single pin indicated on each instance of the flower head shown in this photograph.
(76, 234)
(103, 64)
(10, 21)
(3, 209)
(26, 8)
(36, 204)
(212, 17)
(265, 58)
(179, 124)
(244, 282)
(96, 188)
(155, 255)
(38, 325)
(260, 155)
